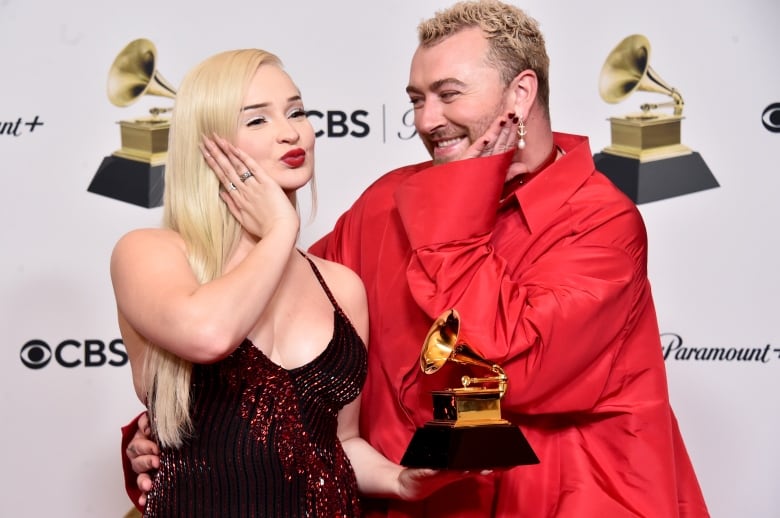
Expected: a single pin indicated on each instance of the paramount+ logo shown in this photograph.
(676, 349)
(71, 354)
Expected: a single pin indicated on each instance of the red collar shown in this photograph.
(523, 178)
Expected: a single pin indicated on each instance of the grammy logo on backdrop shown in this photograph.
(134, 173)
(646, 159)
(467, 430)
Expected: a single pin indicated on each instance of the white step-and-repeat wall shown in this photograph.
(65, 385)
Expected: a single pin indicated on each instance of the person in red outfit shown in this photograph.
(546, 262)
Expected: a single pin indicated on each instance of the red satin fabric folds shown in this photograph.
(552, 286)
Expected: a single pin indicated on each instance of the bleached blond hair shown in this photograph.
(515, 41)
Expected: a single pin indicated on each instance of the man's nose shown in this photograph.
(429, 117)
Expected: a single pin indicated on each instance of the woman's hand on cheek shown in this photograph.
(253, 197)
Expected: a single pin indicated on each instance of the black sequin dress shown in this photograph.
(265, 442)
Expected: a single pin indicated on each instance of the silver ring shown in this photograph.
(232, 186)
(245, 176)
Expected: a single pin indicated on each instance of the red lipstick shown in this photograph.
(294, 158)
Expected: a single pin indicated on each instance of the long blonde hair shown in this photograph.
(208, 102)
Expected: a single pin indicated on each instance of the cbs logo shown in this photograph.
(37, 354)
(771, 118)
(339, 123)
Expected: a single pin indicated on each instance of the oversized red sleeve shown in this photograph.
(552, 320)
(131, 487)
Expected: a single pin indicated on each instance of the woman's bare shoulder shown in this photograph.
(337, 273)
(347, 288)
(143, 239)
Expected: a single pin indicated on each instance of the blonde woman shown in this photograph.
(248, 353)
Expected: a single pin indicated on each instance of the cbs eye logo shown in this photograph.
(771, 118)
(37, 354)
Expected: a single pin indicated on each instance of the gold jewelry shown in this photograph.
(521, 133)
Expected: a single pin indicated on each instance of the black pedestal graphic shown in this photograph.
(657, 179)
(128, 180)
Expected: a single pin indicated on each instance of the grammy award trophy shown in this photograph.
(646, 159)
(135, 173)
(467, 431)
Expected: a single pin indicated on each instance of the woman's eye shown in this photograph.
(298, 113)
(255, 121)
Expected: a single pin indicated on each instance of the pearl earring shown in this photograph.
(521, 132)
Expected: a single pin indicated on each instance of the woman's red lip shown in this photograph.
(294, 153)
(295, 158)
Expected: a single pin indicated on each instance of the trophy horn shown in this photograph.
(627, 68)
(134, 73)
(441, 345)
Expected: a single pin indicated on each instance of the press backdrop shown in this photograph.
(65, 384)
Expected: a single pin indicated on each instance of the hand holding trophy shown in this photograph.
(467, 431)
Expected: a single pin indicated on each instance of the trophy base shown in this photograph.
(468, 448)
(658, 179)
(129, 180)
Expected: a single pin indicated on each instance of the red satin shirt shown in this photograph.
(552, 286)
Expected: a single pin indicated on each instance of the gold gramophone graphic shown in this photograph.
(134, 173)
(646, 159)
(467, 430)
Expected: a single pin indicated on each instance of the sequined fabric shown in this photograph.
(265, 442)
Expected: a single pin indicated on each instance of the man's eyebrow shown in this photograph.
(438, 85)
(292, 99)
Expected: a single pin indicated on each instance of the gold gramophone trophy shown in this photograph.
(467, 431)
(646, 159)
(134, 173)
